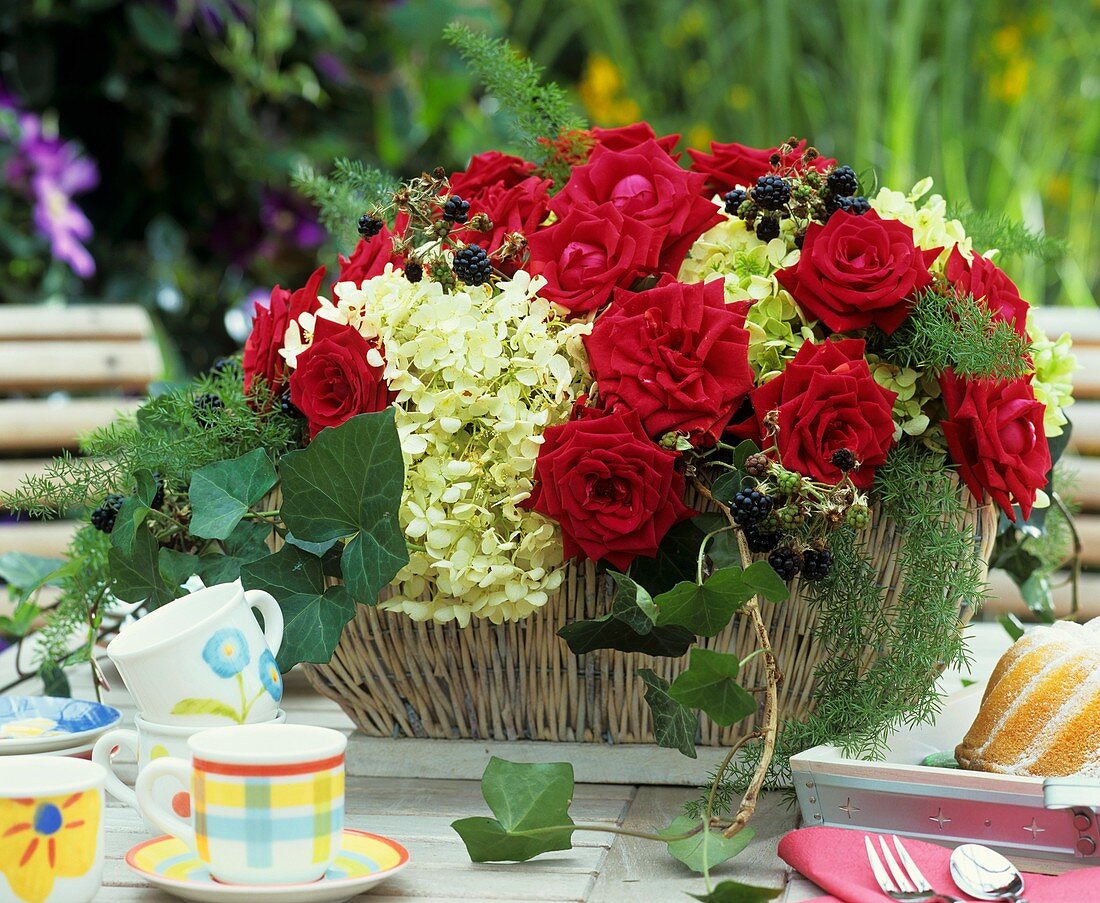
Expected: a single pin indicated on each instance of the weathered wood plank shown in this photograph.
(78, 365)
(1005, 596)
(36, 537)
(35, 322)
(46, 425)
(1083, 323)
(1086, 473)
(1086, 428)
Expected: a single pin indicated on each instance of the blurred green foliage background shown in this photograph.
(197, 111)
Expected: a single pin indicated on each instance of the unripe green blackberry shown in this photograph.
(757, 465)
(789, 482)
(859, 517)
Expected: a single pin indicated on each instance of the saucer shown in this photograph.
(35, 724)
(364, 860)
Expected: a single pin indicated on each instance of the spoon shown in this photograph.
(985, 874)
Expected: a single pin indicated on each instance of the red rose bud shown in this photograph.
(981, 278)
(589, 252)
(826, 400)
(729, 166)
(614, 493)
(334, 381)
(858, 271)
(677, 355)
(646, 186)
(994, 432)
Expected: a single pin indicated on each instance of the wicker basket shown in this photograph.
(396, 677)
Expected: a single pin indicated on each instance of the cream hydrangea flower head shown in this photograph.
(1055, 364)
(478, 375)
(927, 218)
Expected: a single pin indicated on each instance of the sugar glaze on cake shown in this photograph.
(1040, 714)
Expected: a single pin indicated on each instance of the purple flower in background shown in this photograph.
(209, 14)
(290, 217)
(50, 171)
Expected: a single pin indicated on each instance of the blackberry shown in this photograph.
(223, 365)
(369, 226)
(844, 459)
(859, 517)
(789, 482)
(103, 518)
(786, 562)
(158, 498)
(771, 192)
(734, 199)
(842, 182)
(749, 506)
(760, 540)
(204, 406)
(456, 210)
(472, 265)
(791, 516)
(816, 564)
(856, 206)
(414, 272)
(767, 228)
(288, 407)
(757, 465)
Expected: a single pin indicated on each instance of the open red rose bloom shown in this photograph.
(738, 292)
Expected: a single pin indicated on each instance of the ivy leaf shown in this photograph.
(137, 576)
(705, 609)
(698, 856)
(348, 482)
(673, 725)
(178, 567)
(628, 627)
(724, 487)
(314, 548)
(221, 493)
(710, 684)
(248, 541)
(764, 581)
(736, 892)
(133, 513)
(741, 454)
(531, 805)
(314, 614)
(675, 559)
(27, 572)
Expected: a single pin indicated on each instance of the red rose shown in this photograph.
(994, 432)
(333, 380)
(488, 170)
(627, 136)
(521, 208)
(856, 271)
(306, 300)
(827, 400)
(677, 355)
(730, 165)
(647, 186)
(589, 252)
(371, 255)
(261, 350)
(984, 280)
(613, 491)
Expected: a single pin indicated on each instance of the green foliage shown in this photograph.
(703, 849)
(946, 331)
(222, 493)
(706, 608)
(735, 892)
(674, 561)
(347, 485)
(674, 725)
(535, 109)
(710, 683)
(1011, 238)
(352, 189)
(531, 805)
(314, 614)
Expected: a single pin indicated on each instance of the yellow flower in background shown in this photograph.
(45, 839)
(602, 93)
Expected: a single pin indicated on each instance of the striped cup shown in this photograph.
(267, 801)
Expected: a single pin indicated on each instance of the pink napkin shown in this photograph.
(836, 859)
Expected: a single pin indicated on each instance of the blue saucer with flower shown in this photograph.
(31, 724)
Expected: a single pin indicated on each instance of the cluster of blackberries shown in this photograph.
(288, 407)
(844, 459)
(204, 407)
(856, 206)
(370, 226)
(734, 199)
(842, 192)
(414, 272)
(786, 562)
(750, 506)
(456, 210)
(816, 564)
(772, 192)
(812, 564)
(472, 265)
(103, 518)
(759, 540)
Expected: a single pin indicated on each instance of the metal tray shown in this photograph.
(1041, 825)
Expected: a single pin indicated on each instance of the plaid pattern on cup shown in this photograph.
(259, 815)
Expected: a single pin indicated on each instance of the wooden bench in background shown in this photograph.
(64, 371)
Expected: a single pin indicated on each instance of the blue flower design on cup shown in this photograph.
(226, 652)
(270, 676)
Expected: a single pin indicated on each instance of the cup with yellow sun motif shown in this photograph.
(51, 829)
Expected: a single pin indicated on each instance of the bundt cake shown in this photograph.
(1040, 714)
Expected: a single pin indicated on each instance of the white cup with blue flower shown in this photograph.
(204, 660)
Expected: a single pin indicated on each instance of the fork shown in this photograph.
(908, 885)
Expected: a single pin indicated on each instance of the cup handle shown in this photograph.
(180, 769)
(101, 755)
(266, 605)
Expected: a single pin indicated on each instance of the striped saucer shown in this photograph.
(364, 860)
